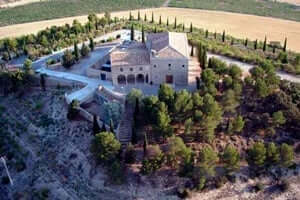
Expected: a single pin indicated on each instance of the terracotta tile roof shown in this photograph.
(130, 55)
(173, 42)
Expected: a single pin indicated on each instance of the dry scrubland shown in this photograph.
(238, 25)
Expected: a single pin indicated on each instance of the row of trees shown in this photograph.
(71, 57)
(54, 38)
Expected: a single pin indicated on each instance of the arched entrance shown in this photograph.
(121, 79)
(140, 78)
(131, 79)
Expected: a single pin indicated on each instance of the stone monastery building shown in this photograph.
(164, 58)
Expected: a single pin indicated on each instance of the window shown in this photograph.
(169, 65)
(121, 69)
(131, 69)
(154, 66)
(141, 69)
(182, 66)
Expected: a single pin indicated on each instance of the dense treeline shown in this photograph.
(57, 37)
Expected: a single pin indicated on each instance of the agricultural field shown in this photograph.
(63, 8)
(238, 25)
(254, 7)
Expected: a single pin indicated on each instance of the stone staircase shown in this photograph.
(124, 130)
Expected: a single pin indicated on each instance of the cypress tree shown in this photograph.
(111, 126)
(139, 16)
(152, 18)
(175, 23)
(168, 21)
(209, 65)
(160, 20)
(133, 133)
(145, 17)
(143, 35)
(232, 41)
(130, 16)
(76, 51)
(92, 45)
(137, 107)
(204, 58)
(223, 36)
(103, 128)
(285, 44)
(192, 50)
(246, 42)
(115, 19)
(145, 144)
(132, 33)
(43, 82)
(274, 49)
(155, 29)
(96, 128)
(215, 35)
(206, 34)
(191, 28)
(255, 44)
(265, 44)
(183, 27)
(199, 53)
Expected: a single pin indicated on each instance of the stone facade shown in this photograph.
(164, 58)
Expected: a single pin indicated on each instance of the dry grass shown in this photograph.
(238, 25)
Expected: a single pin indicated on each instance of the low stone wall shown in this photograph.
(54, 66)
(89, 117)
(111, 95)
(53, 81)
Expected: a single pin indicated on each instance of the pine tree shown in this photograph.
(143, 35)
(223, 36)
(76, 51)
(132, 33)
(285, 44)
(265, 44)
(160, 20)
(96, 128)
(191, 28)
(152, 18)
(92, 45)
(175, 23)
(139, 16)
(255, 44)
(206, 34)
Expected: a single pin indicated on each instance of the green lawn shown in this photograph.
(65, 8)
(255, 7)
